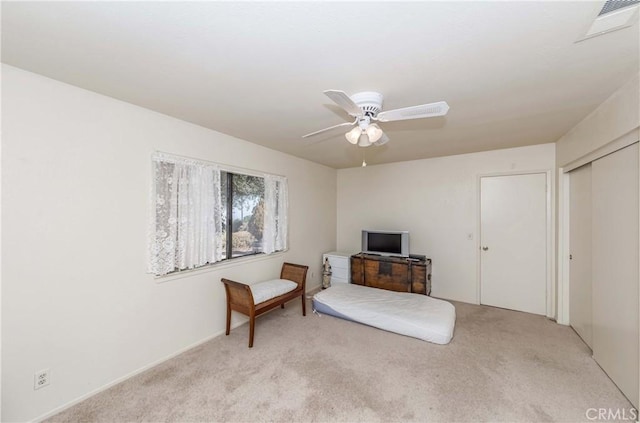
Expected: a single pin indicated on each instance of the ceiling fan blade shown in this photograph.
(343, 100)
(415, 112)
(330, 128)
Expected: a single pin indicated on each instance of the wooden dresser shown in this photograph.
(392, 273)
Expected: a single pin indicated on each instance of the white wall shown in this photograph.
(437, 201)
(75, 183)
(615, 117)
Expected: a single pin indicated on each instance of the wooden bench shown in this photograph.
(267, 294)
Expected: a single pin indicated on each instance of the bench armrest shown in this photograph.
(296, 273)
(238, 293)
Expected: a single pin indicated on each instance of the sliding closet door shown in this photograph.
(580, 249)
(615, 267)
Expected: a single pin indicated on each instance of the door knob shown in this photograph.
(485, 248)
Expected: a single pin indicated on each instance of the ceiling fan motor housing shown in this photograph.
(369, 101)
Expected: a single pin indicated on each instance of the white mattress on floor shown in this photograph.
(415, 315)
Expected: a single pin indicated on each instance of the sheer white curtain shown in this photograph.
(275, 214)
(186, 229)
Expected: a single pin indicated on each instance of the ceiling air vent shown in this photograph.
(615, 15)
(612, 5)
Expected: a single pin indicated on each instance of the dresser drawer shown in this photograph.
(338, 262)
(340, 273)
(338, 280)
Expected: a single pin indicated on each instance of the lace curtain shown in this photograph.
(186, 229)
(187, 220)
(275, 214)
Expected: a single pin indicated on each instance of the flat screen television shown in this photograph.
(386, 243)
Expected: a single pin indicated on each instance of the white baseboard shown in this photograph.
(132, 374)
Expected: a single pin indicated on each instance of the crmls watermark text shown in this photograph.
(607, 414)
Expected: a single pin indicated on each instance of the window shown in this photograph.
(204, 213)
(243, 201)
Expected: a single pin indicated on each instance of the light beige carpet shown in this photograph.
(500, 366)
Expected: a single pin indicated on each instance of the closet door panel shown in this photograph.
(580, 316)
(615, 267)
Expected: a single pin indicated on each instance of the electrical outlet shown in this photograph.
(41, 379)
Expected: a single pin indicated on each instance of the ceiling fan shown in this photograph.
(366, 108)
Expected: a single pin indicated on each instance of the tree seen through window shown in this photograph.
(243, 202)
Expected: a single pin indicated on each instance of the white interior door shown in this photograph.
(513, 233)
(580, 249)
(615, 267)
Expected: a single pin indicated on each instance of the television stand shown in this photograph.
(402, 274)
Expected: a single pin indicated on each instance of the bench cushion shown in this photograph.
(264, 291)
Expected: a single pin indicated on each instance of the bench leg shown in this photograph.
(228, 318)
(304, 305)
(252, 324)
(282, 305)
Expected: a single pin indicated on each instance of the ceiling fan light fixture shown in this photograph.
(354, 135)
(364, 140)
(383, 140)
(374, 133)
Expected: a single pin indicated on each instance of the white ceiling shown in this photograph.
(510, 71)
